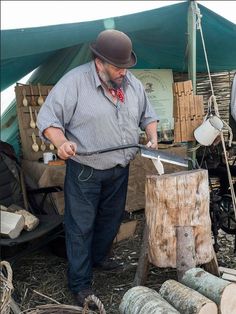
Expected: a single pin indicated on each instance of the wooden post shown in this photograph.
(143, 262)
(186, 300)
(220, 291)
(185, 250)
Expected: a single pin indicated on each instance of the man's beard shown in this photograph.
(105, 77)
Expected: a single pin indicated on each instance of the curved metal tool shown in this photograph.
(145, 152)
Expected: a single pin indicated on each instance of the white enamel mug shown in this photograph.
(49, 156)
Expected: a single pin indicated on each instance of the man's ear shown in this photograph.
(99, 64)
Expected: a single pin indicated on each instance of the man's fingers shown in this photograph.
(67, 150)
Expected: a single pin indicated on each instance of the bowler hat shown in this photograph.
(114, 47)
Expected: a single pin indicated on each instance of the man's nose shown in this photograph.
(122, 72)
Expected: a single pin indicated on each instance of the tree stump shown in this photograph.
(178, 199)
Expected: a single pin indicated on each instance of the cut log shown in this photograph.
(31, 222)
(11, 224)
(220, 291)
(178, 199)
(227, 270)
(229, 277)
(186, 300)
(185, 250)
(143, 300)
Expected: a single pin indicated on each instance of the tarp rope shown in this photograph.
(212, 100)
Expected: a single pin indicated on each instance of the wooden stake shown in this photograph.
(185, 250)
(143, 262)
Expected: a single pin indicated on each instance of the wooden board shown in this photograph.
(188, 111)
(126, 231)
(23, 115)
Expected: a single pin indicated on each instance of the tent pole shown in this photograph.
(192, 44)
(192, 62)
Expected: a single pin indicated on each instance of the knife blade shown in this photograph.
(164, 156)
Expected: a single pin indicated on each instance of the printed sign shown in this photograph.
(158, 86)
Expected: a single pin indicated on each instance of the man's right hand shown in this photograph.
(67, 150)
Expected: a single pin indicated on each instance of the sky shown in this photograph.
(23, 14)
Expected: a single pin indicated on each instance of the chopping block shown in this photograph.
(177, 232)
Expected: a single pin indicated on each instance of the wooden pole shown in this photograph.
(143, 262)
(192, 44)
(191, 53)
(185, 250)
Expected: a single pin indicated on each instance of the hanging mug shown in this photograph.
(208, 131)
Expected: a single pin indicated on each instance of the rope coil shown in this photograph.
(6, 288)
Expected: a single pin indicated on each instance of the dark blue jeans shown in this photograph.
(94, 207)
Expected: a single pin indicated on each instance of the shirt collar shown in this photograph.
(95, 75)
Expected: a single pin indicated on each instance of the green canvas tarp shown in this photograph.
(159, 39)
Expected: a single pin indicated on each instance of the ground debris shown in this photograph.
(45, 273)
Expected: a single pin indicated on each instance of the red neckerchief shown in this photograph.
(117, 93)
(114, 92)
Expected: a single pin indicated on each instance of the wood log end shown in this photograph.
(209, 308)
(228, 299)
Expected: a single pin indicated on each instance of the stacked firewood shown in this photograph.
(199, 292)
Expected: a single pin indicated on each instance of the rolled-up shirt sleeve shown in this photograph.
(57, 109)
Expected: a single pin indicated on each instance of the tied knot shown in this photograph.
(117, 93)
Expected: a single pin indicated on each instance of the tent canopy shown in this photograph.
(159, 39)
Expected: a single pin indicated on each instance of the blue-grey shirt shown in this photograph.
(80, 106)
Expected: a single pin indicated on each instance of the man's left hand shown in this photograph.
(152, 144)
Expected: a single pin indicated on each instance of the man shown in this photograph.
(96, 106)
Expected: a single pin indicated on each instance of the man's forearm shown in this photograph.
(151, 132)
(55, 135)
(65, 148)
